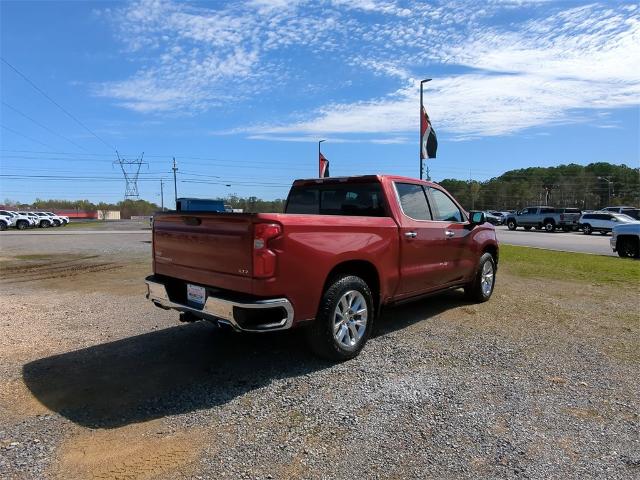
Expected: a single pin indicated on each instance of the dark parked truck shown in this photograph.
(548, 218)
(344, 248)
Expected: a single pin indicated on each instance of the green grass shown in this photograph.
(581, 267)
(34, 256)
(88, 224)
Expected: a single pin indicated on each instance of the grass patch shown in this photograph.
(582, 267)
(89, 224)
(34, 256)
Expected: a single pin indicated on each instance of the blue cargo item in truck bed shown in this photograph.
(199, 205)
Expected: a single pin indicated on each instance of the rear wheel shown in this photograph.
(549, 226)
(22, 224)
(511, 225)
(586, 229)
(481, 288)
(3, 226)
(628, 248)
(344, 320)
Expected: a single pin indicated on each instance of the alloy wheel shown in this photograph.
(350, 318)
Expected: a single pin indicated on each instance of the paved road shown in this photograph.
(568, 242)
(75, 232)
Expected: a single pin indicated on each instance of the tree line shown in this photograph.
(593, 186)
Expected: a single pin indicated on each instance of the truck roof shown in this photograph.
(358, 179)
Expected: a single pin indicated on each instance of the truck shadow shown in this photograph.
(182, 369)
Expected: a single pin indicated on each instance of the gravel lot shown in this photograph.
(540, 382)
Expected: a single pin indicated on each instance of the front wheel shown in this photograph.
(587, 230)
(511, 225)
(344, 320)
(481, 288)
(3, 226)
(22, 225)
(628, 248)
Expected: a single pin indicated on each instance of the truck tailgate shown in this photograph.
(203, 244)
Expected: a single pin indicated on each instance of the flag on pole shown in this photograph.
(428, 139)
(324, 166)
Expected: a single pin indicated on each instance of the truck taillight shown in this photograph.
(264, 260)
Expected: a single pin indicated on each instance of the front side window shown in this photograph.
(444, 208)
(413, 201)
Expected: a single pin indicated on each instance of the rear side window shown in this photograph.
(547, 210)
(354, 199)
(413, 201)
(444, 208)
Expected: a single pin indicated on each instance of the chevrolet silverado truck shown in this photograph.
(344, 248)
(548, 218)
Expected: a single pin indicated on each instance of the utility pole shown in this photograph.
(175, 183)
(609, 184)
(161, 196)
(420, 127)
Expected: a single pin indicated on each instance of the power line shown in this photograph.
(25, 136)
(55, 103)
(41, 125)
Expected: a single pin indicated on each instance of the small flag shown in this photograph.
(324, 166)
(428, 139)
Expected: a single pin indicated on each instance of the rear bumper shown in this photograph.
(227, 310)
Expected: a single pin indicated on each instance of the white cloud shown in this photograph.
(547, 70)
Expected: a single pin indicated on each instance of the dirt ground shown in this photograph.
(540, 382)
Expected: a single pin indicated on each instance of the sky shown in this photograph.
(241, 92)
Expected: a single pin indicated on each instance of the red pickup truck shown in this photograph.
(343, 248)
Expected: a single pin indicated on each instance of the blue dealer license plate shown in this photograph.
(196, 294)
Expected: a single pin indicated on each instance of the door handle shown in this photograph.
(410, 234)
(449, 233)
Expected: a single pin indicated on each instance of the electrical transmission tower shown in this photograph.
(130, 170)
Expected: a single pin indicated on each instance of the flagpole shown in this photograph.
(319, 165)
(422, 82)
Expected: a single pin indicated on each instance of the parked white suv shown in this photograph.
(44, 221)
(5, 222)
(55, 220)
(602, 222)
(17, 220)
(625, 239)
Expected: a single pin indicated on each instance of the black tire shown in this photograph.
(586, 229)
(320, 334)
(22, 224)
(527, 228)
(3, 226)
(45, 224)
(474, 291)
(549, 226)
(628, 248)
(511, 224)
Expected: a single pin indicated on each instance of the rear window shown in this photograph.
(354, 199)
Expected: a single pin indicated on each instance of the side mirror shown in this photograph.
(477, 218)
